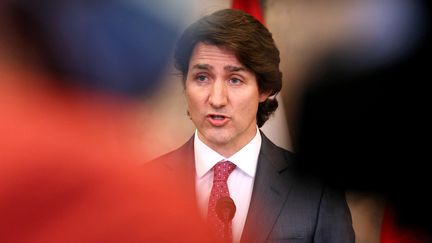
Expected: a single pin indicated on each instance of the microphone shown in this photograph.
(225, 210)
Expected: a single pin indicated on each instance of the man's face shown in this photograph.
(222, 97)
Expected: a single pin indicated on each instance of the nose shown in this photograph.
(218, 95)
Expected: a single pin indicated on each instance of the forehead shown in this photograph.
(214, 55)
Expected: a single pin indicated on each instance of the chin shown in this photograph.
(217, 137)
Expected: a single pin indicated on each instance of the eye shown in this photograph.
(201, 78)
(235, 81)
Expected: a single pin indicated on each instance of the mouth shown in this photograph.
(217, 117)
(217, 120)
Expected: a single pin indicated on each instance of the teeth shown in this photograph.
(218, 117)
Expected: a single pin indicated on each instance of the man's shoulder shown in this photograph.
(268, 147)
(182, 153)
(173, 154)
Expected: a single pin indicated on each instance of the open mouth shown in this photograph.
(218, 120)
(217, 117)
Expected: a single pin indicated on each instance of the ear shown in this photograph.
(264, 95)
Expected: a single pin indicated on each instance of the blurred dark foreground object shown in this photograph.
(114, 46)
(368, 129)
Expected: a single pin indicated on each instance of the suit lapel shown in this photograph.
(270, 191)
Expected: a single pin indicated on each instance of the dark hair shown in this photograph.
(251, 42)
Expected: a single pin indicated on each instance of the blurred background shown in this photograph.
(357, 35)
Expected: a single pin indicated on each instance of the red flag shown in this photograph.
(252, 7)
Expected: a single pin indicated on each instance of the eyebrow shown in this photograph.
(234, 68)
(227, 68)
(202, 66)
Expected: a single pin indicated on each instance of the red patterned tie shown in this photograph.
(220, 189)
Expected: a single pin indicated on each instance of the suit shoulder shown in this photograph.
(166, 157)
(289, 155)
(163, 160)
(172, 158)
(272, 149)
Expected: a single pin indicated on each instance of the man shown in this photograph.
(230, 68)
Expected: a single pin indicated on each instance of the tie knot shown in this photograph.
(222, 170)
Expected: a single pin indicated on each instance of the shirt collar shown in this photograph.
(246, 159)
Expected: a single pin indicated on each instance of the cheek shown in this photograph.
(248, 100)
(248, 107)
(250, 111)
(193, 101)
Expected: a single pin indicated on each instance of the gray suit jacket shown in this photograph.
(284, 207)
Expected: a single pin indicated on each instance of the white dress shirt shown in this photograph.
(240, 182)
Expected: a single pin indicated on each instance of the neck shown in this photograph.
(230, 148)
